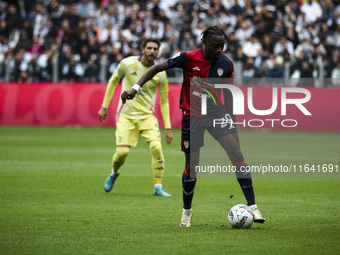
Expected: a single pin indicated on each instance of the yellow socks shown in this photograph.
(157, 161)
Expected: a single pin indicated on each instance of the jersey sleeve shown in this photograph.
(164, 100)
(231, 72)
(228, 98)
(111, 86)
(178, 60)
(229, 77)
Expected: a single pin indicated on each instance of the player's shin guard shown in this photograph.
(157, 162)
(119, 158)
(188, 184)
(244, 179)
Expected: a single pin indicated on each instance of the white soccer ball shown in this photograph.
(240, 216)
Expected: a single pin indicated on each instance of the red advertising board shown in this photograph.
(66, 104)
(77, 104)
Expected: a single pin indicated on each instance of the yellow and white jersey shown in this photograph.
(130, 70)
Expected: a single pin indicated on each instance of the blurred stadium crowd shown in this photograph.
(84, 40)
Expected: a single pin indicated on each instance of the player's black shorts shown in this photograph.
(193, 128)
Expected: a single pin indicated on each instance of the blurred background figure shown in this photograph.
(99, 33)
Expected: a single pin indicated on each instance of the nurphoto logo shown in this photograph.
(239, 104)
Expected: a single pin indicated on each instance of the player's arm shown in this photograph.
(110, 90)
(148, 75)
(165, 109)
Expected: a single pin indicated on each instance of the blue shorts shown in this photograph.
(218, 125)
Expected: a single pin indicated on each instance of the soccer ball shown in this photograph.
(240, 216)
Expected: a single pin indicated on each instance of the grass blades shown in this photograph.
(53, 201)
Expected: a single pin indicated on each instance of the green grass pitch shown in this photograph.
(53, 201)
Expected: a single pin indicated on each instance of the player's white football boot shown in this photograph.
(258, 218)
(186, 218)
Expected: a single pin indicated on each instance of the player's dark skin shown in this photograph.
(214, 45)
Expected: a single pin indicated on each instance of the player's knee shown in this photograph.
(121, 153)
(156, 150)
(236, 155)
(119, 157)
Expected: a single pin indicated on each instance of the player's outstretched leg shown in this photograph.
(244, 178)
(231, 145)
(158, 166)
(117, 161)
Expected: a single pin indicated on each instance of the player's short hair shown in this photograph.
(212, 30)
(151, 39)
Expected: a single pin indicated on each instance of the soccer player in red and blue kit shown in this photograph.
(199, 65)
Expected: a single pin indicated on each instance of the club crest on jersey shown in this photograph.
(220, 71)
(186, 144)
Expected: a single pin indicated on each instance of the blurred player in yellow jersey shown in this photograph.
(136, 118)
